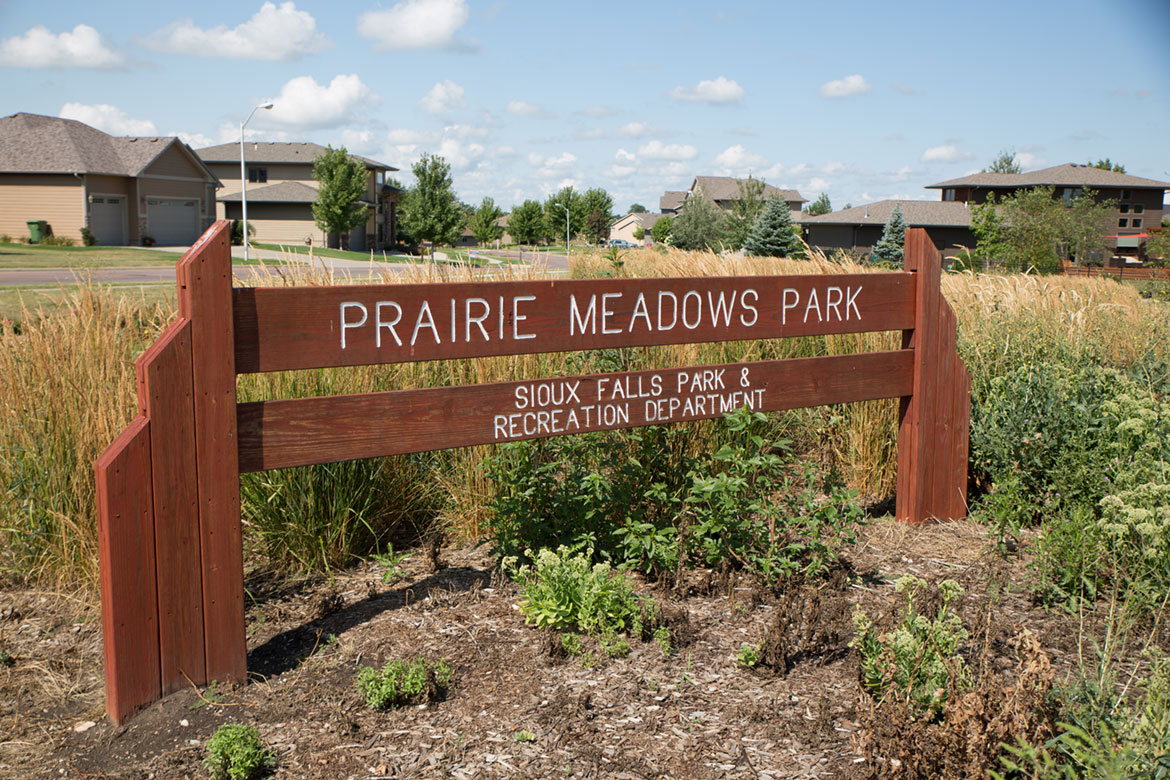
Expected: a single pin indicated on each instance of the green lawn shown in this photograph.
(458, 255)
(34, 256)
(341, 254)
(54, 299)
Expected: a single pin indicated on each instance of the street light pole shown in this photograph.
(244, 177)
(566, 208)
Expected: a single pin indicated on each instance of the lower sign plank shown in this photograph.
(297, 432)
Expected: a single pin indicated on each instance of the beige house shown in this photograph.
(281, 191)
(624, 228)
(126, 190)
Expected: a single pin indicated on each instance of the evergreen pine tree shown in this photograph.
(774, 234)
(889, 247)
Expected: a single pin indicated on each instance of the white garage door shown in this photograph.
(172, 222)
(107, 219)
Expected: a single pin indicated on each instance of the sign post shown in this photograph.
(173, 609)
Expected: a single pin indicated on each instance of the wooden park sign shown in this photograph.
(168, 487)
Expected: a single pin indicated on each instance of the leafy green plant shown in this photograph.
(401, 682)
(87, 237)
(563, 590)
(661, 638)
(916, 661)
(389, 561)
(750, 503)
(235, 752)
(748, 656)
(523, 735)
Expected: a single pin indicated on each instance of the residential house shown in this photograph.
(671, 201)
(281, 191)
(1138, 201)
(725, 191)
(125, 190)
(624, 228)
(857, 229)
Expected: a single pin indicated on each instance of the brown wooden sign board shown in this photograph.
(173, 476)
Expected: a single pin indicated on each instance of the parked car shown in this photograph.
(621, 243)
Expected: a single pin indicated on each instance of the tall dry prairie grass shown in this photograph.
(67, 387)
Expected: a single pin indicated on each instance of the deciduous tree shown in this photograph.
(431, 212)
(526, 223)
(597, 205)
(819, 206)
(554, 214)
(342, 183)
(745, 210)
(700, 224)
(484, 222)
(637, 208)
(1005, 162)
(1108, 165)
(660, 232)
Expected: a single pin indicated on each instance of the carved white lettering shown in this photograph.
(345, 324)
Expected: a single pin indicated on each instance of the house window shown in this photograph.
(1125, 194)
(949, 194)
(1068, 193)
(1123, 222)
(1137, 222)
(1124, 207)
(257, 175)
(1138, 208)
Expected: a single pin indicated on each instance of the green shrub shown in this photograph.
(87, 237)
(402, 682)
(916, 661)
(750, 503)
(235, 752)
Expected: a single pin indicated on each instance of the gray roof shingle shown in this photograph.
(1067, 175)
(671, 200)
(727, 188)
(918, 213)
(274, 152)
(281, 192)
(33, 143)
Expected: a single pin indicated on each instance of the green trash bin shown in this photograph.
(37, 230)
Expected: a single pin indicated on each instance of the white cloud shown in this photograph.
(563, 160)
(635, 130)
(846, 87)
(306, 104)
(416, 24)
(460, 155)
(833, 167)
(598, 112)
(359, 141)
(720, 90)
(947, 153)
(463, 132)
(817, 183)
(905, 89)
(403, 137)
(273, 33)
(620, 171)
(108, 119)
(444, 97)
(40, 48)
(194, 140)
(623, 156)
(1030, 160)
(524, 108)
(737, 161)
(656, 150)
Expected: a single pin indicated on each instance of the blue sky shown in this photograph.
(864, 101)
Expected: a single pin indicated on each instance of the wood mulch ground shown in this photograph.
(693, 714)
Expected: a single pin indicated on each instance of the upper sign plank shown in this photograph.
(284, 328)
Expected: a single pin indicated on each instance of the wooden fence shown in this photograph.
(168, 486)
(1119, 272)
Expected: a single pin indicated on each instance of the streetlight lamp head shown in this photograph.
(265, 106)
